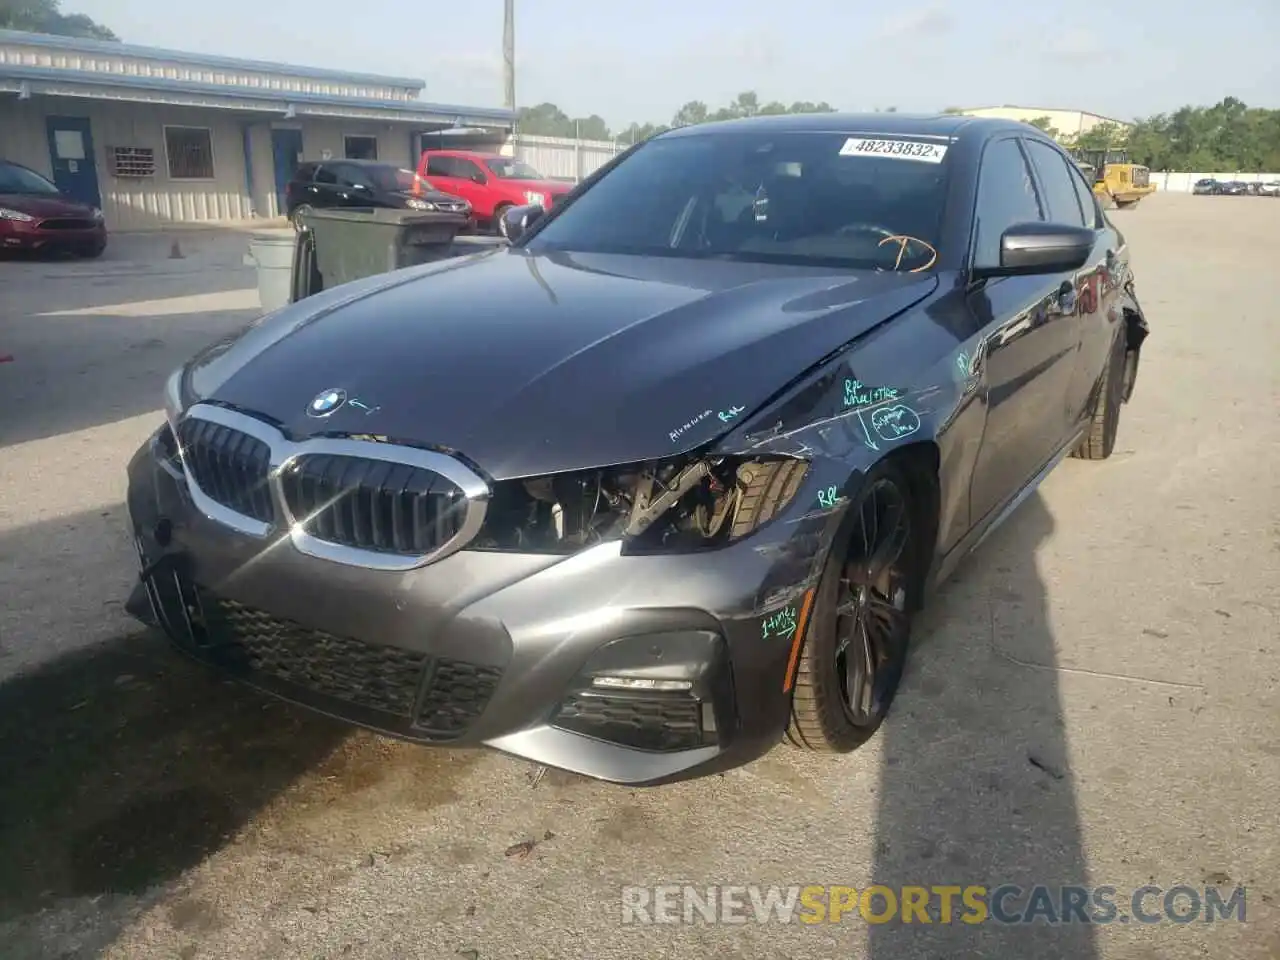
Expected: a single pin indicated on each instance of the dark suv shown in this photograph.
(364, 183)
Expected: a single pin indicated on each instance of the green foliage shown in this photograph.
(548, 120)
(1224, 138)
(1045, 125)
(45, 16)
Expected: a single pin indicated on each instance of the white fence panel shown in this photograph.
(564, 158)
(1173, 182)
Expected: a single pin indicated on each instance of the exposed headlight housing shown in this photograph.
(671, 506)
(7, 214)
(175, 404)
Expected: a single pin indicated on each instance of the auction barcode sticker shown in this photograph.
(899, 149)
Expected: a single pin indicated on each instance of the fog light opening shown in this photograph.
(708, 718)
(640, 683)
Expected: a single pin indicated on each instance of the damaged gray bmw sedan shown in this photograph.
(663, 481)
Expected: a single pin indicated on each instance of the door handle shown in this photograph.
(1067, 297)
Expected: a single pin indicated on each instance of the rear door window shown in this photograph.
(1063, 202)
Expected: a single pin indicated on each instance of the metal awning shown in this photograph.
(27, 82)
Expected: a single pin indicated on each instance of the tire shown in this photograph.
(1104, 421)
(498, 211)
(298, 213)
(825, 715)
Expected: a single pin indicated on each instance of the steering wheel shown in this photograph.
(872, 228)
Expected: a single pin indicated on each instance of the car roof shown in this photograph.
(358, 163)
(889, 124)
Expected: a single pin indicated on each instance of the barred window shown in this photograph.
(190, 153)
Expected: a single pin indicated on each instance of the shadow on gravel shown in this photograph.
(125, 765)
(976, 787)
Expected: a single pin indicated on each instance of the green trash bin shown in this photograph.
(351, 243)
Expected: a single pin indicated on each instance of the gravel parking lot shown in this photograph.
(1094, 699)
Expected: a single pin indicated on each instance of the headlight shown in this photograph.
(413, 203)
(532, 196)
(96, 214)
(670, 506)
(7, 214)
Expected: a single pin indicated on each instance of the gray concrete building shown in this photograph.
(155, 137)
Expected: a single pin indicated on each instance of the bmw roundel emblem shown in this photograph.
(326, 402)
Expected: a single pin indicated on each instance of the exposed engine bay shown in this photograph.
(685, 504)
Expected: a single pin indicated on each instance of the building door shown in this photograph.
(71, 156)
(286, 152)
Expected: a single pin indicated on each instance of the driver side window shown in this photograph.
(1006, 196)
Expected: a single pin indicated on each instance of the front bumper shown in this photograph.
(493, 649)
(40, 235)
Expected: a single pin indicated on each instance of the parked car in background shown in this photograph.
(36, 215)
(490, 182)
(325, 184)
(1269, 189)
(1233, 188)
(1207, 186)
(666, 478)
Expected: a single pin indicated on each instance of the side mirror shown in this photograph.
(516, 221)
(1035, 248)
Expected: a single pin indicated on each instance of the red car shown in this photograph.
(489, 182)
(36, 215)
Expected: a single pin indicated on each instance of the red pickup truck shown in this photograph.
(489, 182)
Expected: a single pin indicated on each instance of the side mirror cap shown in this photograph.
(516, 221)
(1037, 248)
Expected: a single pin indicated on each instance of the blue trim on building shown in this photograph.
(79, 45)
(95, 78)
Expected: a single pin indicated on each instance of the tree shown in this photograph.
(1045, 125)
(695, 111)
(45, 16)
(1102, 136)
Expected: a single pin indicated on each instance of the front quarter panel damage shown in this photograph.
(911, 383)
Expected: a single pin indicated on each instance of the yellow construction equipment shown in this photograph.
(1114, 178)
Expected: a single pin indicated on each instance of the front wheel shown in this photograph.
(499, 228)
(855, 647)
(1125, 204)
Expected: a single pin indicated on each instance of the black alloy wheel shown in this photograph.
(856, 649)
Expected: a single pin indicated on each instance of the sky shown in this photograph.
(639, 61)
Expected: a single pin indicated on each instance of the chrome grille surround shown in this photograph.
(285, 451)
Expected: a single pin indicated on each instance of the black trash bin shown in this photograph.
(350, 243)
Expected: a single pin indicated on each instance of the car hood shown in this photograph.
(44, 205)
(531, 364)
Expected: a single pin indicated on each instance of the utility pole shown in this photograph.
(509, 53)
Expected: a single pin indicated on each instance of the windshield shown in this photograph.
(821, 199)
(15, 179)
(398, 180)
(512, 170)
